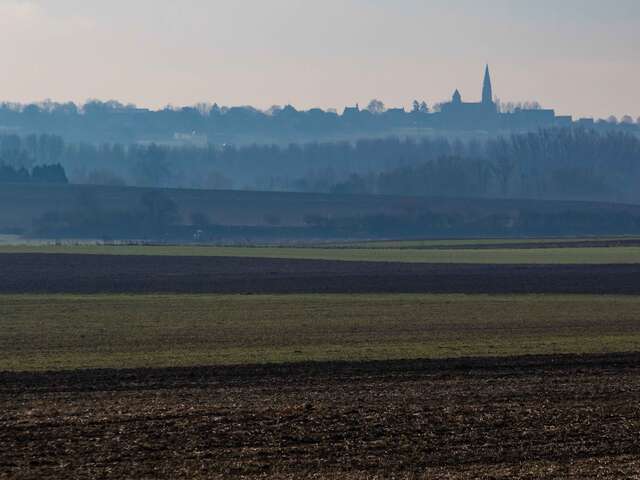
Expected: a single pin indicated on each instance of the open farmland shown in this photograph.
(111, 366)
(499, 243)
(497, 255)
(569, 417)
(245, 208)
(110, 331)
(94, 273)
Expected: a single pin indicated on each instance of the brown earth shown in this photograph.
(58, 273)
(570, 417)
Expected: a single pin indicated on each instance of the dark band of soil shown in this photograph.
(573, 417)
(299, 373)
(64, 273)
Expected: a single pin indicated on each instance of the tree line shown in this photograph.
(38, 174)
(567, 163)
(549, 164)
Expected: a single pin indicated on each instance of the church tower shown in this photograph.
(487, 91)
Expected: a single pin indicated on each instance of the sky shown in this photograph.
(580, 57)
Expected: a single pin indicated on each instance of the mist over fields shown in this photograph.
(468, 164)
(319, 240)
(553, 164)
(126, 188)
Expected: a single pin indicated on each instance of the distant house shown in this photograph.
(563, 120)
(351, 111)
(586, 122)
(395, 112)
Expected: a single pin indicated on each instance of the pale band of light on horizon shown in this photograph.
(577, 56)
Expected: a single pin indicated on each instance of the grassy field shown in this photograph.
(564, 255)
(7, 241)
(70, 332)
(485, 242)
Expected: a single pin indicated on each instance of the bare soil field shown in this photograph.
(74, 273)
(570, 417)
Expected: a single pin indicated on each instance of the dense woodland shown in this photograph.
(38, 174)
(548, 164)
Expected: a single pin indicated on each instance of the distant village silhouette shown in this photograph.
(206, 123)
(484, 115)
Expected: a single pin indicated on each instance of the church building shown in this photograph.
(466, 114)
(485, 115)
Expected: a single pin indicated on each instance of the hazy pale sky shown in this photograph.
(580, 57)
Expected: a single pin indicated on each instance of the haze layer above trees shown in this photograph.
(550, 164)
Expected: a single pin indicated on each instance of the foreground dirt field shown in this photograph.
(25, 273)
(570, 417)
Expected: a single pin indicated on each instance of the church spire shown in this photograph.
(487, 92)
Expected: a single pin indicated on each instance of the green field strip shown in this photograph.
(564, 255)
(481, 242)
(61, 332)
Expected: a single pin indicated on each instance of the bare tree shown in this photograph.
(376, 107)
(511, 107)
(503, 170)
(437, 107)
(419, 107)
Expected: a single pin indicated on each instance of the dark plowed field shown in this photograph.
(564, 417)
(55, 273)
